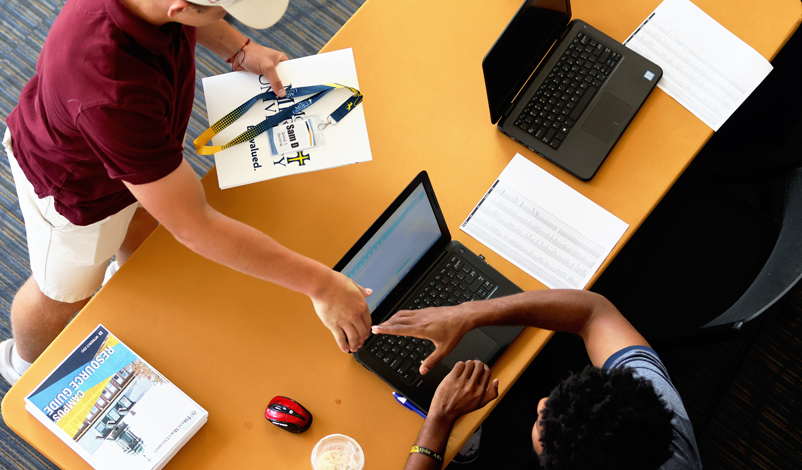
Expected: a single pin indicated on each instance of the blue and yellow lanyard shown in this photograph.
(317, 92)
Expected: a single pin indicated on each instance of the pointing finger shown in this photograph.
(431, 361)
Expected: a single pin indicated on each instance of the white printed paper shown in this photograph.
(706, 68)
(543, 226)
(250, 162)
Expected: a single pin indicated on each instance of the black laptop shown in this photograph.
(409, 260)
(562, 88)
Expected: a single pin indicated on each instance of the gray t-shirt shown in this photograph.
(646, 364)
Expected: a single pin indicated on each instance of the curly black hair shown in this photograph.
(605, 419)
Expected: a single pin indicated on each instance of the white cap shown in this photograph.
(258, 14)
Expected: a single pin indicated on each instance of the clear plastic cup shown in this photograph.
(337, 452)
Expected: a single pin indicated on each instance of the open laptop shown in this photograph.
(562, 88)
(409, 260)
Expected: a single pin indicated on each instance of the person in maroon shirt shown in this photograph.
(96, 148)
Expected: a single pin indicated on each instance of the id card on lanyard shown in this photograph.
(302, 133)
(314, 92)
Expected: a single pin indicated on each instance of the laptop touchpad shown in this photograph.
(474, 345)
(607, 117)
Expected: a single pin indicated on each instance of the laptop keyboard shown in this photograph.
(453, 283)
(559, 102)
(403, 354)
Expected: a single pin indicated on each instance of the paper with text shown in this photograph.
(544, 226)
(706, 68)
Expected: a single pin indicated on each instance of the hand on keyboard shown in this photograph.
(466, 388)
(444, 326)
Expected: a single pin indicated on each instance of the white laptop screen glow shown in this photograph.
(398, 245)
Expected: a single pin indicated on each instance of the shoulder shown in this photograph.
(645, 363)
(99, 51)
(89, 61)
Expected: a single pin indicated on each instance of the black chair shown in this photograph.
(743, 321)
(681, 325)
(781, 272)
(779, 275)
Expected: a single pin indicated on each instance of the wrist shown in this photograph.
(437, 456)
(238, 57)
(321, 280)
(440, 419)
(470, 316)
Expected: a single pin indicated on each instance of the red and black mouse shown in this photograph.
(288, 414)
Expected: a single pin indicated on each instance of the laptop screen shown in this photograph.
(395, 248)
(520, 48)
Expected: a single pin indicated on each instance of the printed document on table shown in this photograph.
(706, 68)
(544, 226)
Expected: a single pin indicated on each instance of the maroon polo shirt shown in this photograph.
(110, 102)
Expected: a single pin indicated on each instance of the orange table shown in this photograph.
(233, 342)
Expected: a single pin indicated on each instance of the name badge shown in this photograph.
(299, 134)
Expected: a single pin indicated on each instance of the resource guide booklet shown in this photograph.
(345, 142)
(113, 408)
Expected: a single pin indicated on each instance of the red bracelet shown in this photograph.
(247, 41)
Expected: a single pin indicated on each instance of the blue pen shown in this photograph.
(403, 400)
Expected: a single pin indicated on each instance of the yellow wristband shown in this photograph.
(428, 452)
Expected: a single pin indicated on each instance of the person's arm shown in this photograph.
(465, 389)
(178, 202)
(587, 314)
(222, 39)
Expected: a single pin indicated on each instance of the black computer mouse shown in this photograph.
(288, 414)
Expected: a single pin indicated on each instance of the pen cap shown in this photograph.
(337, 452)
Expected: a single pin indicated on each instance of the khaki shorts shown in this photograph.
(68, 261)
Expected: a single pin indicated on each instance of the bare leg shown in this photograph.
(36, 319)
(141, 226)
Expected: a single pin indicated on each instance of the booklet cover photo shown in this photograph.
(113, 408)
